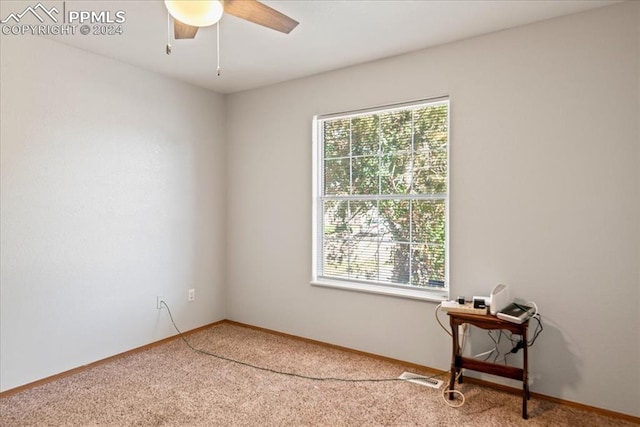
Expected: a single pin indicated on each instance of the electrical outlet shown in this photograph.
(159, 302)
(192, 295)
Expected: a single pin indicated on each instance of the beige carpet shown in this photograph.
(174, 386)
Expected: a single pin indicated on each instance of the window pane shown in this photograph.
(335, 220)
(395, 174)
(427, 265)
(394, 263)
(363, 261)
(336, 258)
(428, 218)
(365, 175)
(336, 138)
(336, 176)
(396, 131)
(365, 139)
(336, 239)
(430, 172)
(394, 219)
(431, 128)
(363, 220)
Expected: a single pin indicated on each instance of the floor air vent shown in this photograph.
(420, 379)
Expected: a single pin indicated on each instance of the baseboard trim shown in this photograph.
(518, 391)
(82, 368)
(409, 365)
(338, 347)
(506, 388)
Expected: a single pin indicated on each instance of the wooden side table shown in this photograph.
(459, 362)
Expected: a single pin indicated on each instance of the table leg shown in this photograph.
(454, 354)
(452, 381)
(525, 374)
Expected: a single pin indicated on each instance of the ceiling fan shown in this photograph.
(189, 16)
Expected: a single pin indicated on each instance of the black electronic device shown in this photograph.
(516, 313)
(479, 302)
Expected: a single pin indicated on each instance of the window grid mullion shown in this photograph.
(435, 196)
(378, 200)
(320, 208)
(350, 237)
(411, 165)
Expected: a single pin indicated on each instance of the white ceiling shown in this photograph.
(332, 34)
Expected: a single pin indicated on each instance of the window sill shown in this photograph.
(423, 295)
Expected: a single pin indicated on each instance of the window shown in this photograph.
(381, 200)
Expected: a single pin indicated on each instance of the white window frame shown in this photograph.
(412, 292)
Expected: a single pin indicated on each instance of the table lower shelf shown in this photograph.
(489, 368)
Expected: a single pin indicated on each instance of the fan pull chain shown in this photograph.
(218, 45)
(168, 50)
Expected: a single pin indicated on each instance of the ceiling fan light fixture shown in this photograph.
(198, 13)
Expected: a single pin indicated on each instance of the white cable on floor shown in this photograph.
(447, 390)
(275, 371)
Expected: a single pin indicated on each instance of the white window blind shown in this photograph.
(381, 197)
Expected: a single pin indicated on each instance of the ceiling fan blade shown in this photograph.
(261, 14)
(183, 31)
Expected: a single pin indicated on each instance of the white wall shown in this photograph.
(544, 197)
(638, 130)
(113, 187)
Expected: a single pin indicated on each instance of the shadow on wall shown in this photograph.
(547, 375)
(550, 375)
